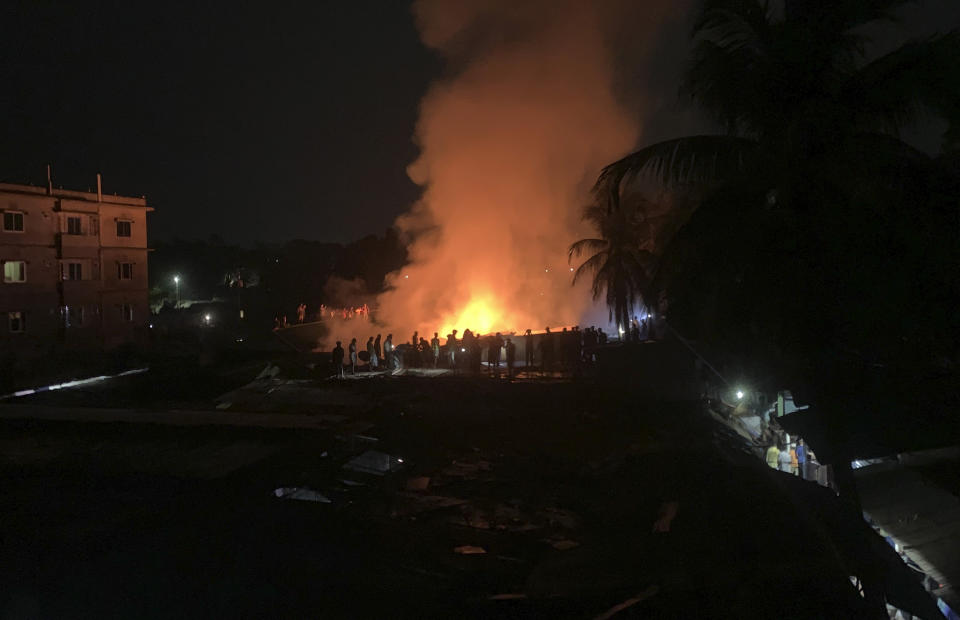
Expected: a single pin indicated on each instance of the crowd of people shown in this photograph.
(323, 312)
(359, 312)
(549, 351)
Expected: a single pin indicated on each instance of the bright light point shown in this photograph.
(399, 460)
(176, 279)
(571, 269)
(406, 277)
(546, 271)
(462, 350)
(206, 318)
(739, 394)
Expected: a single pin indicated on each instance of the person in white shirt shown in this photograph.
(785, 460)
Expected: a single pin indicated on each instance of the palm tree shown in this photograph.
(617, 262)
(805, 253)
(802, 185)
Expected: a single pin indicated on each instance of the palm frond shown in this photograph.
(582, 246)
(689, 160)
(592, 265)
(889, 91)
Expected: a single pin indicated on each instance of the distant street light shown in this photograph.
(176, 280)
(739, 394)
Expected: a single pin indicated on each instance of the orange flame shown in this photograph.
(482, 314)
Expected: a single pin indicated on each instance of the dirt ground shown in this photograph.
(554, 486)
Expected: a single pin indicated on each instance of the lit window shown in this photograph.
(73, 271)
(17, 322)
(13, 221)
(123, 228)
(126, 312)
(15, 271)
(124, 271)
(74, 225)
(72, 316)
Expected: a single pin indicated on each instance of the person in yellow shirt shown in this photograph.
(773, 455)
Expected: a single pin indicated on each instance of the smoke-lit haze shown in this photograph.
(511, 142)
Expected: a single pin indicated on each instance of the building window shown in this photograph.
(16, 322)
(74, 225)
(124, 271)
(72, 271)
(15, 271)
(72, 316)
(13, 221)
(126, 312)
(123, 228)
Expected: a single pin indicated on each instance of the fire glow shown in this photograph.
(480, 314)
(510, 142)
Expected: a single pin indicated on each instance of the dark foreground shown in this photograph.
(558, 483)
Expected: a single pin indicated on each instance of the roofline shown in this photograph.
(130, 201)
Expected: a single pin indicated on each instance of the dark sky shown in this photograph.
(253, 121)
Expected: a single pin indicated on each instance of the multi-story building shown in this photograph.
(73, 266)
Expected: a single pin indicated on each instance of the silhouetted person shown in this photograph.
(528, 349)
(475, 353)
(564, 348)
(511, 357)
(546, 350)
(452, 348)
(493, 353)
(435, 348)
(388, 353)
(414, 350)
(338, 359)
(376, 347)
(423, 352)
(353, 356)
(372, 352)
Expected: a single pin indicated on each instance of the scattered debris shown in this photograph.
(352, 483)
(630, 602)
(374, 462)
(301, 493)
(269, 372)
(469, 550)
(563, 545)
(418, 483)
(225, 405)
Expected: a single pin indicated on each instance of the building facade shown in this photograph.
(74, 268)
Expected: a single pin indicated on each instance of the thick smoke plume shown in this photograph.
(511, 142)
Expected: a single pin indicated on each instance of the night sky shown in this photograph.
(256, 122)
(263, 122)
